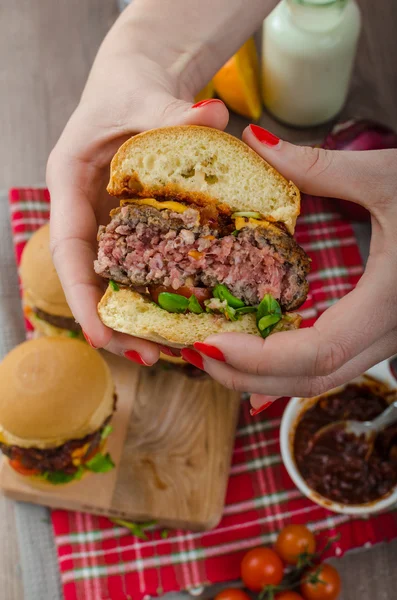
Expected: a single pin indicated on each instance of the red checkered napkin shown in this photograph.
(99, 561)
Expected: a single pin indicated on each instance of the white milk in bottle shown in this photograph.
(308, 53)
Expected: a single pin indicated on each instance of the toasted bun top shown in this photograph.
(39, 277)
(53, 390)
(203, 165)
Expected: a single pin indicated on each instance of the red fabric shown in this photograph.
(100, 561)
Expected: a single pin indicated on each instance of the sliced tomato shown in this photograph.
(93, 453)
(19, 468)
(186, 291)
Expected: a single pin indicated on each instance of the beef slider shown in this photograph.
(201, 216)
(57, 398)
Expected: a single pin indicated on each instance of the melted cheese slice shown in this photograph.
(168, 204)
(241, 222)
(78, 454)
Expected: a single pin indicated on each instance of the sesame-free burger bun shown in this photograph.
(206, 166)
(129, 312)
(41, 284)
(53, 390)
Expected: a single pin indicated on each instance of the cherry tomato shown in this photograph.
(328, 590)
(232, 594)
(19, 468)
(260, 567)
(186, 291)
(288, 596)
(292, 541)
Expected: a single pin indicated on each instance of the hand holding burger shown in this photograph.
(358, 331)
(158, 58)
(202, 242)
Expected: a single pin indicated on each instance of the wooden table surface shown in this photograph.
(46, 49)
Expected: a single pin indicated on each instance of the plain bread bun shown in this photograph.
(53, 390)
(206, 166)
(130, 312)
(39, 278)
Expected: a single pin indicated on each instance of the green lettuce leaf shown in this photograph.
(268, 315)
(194, 305)
(114, 285)
(137, 529)
(107, 430)
(100, 463)
(59, 477)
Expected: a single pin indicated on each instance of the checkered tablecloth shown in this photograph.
(99, 561)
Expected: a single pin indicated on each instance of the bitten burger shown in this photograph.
(202, 241)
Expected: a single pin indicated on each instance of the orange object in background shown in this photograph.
(237, 82)
(206, 93)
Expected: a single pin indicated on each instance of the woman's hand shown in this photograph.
(127, 92)
(77, 175)
(154, 60)
(358, 331)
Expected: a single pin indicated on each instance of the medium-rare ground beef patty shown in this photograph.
(62, 322)
(143, 246)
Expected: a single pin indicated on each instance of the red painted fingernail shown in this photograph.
(192, 357)
(169, 351)
(210, 351)
(88, 340)
(256, 411)
(205, 102)
(135, 357)
(264, 136)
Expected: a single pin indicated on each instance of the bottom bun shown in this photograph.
(129, 312)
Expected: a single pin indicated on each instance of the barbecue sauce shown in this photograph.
(337, 464)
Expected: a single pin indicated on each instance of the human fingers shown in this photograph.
(367, 178)
(343, 331)
(303, 386)
(73, 234)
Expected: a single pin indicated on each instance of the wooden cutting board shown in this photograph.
(172, 442)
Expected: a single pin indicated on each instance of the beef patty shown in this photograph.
(143, 246)
(62, 322)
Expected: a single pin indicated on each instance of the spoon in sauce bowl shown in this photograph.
(360, 429)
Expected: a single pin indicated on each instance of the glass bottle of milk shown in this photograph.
(308, 53)
(123, 4)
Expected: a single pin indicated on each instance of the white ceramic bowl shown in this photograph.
(294, 409)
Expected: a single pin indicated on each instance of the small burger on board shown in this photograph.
(57, 399)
